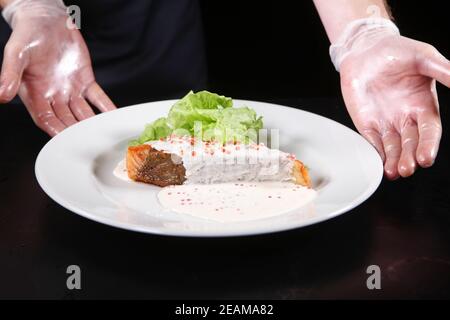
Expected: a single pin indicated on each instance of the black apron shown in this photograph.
(142, 50)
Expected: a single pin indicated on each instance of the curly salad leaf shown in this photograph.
(208, 115)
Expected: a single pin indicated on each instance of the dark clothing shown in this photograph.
(148, 49)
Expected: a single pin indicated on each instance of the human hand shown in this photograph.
(389, 87)
(48, 65)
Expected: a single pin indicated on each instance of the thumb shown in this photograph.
(434, 65)
(11, 73)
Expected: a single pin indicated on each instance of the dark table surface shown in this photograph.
(404, 228)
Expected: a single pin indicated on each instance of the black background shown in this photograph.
(267, 49)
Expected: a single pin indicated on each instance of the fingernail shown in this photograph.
(403, 171)
(425, 162)
(391, 175)
(406, 171)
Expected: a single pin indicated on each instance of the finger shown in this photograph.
(61, 109)
(407, 164)
(80, 108)
(392, 149)
(42, 113)
(12, 68)
(434, 65)
(98, 98)
(430, 132)
(374, 138)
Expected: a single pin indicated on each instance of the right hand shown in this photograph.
(48, 65)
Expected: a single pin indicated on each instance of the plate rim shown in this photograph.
(226, 233)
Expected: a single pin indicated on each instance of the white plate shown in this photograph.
(75, 169)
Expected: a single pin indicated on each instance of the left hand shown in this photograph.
(390, 92)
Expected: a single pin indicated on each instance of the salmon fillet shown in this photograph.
(145, 164)
(301, 174)
(153, 165)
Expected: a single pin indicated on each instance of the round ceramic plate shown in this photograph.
(75, 169)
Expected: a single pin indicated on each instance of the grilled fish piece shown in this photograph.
(183, 160)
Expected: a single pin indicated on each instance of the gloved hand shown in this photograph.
(388, 84)
(48, 64)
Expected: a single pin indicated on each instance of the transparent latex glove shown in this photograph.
(47, 63)
(389, 88)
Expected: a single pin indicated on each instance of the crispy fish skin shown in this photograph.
(301, 174)
(148, 165)
(145, 164)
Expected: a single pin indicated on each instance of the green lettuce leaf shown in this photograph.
(154, 131)
(208, 114)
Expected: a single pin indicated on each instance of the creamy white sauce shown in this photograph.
(229, 183)
(120, 171)
(233, 202)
